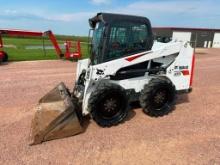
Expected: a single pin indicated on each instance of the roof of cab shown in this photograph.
(110, 17)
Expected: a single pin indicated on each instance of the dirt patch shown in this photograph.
(189, 135)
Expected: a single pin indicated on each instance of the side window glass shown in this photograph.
(139, 36)
(117, 42)
(126, 38)
(96, 42)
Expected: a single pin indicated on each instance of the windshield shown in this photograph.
(96, 42)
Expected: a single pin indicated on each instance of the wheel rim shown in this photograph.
(110, 106)
(160, 98)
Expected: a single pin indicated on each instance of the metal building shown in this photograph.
(201, 37)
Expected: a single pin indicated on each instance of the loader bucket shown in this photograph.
(56, 116)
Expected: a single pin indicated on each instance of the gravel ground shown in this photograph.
(189, 135)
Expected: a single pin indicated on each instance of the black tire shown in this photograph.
(5, 59)
(108, 104)
(158, 97)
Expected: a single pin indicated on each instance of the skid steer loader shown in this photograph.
(125, 66)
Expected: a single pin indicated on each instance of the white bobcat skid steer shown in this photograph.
(125, 65)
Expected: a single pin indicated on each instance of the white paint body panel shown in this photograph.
(179, 53)
(216, 41)
(181, 36)
(81, 65)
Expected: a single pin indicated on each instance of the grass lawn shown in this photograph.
(18, 51)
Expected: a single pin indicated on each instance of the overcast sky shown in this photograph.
(71, 16)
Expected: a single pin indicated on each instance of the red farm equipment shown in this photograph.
(3, 55)
(73, 51)
(69, 46)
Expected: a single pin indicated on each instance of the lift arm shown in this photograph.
(48, 33)
(53, 39)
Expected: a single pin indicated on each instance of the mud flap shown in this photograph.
(56, 116)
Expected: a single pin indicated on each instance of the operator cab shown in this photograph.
(116, 36)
